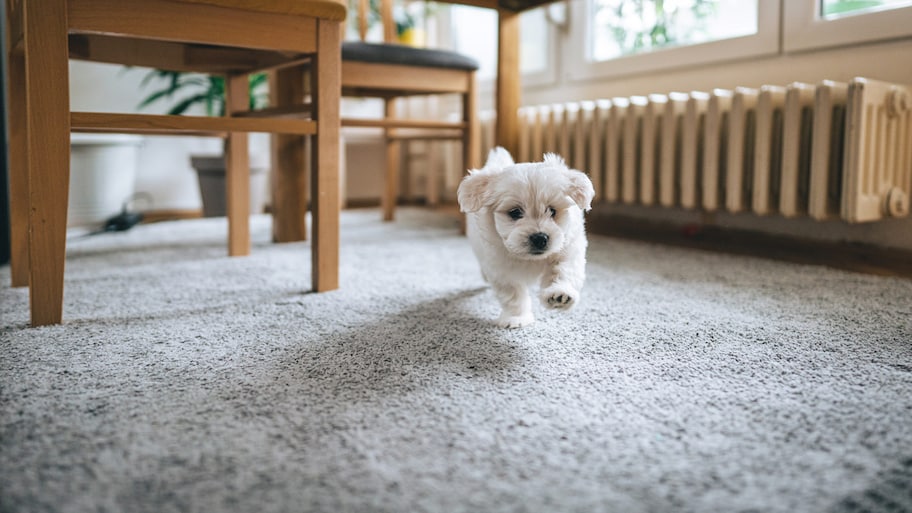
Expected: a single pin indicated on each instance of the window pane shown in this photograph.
(836, 8)
(475, 34)
(624, 27)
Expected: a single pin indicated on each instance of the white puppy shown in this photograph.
(525, 224)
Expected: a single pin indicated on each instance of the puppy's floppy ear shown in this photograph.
(473, 192)
(498, 158)
(580, 189)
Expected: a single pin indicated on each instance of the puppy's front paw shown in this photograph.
(515, 321)
(559, 298)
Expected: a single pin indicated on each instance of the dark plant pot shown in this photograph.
(210, 171)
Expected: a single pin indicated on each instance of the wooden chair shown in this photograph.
(390, 71)
(229, 37)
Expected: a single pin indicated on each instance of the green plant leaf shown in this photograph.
(206, 90)
(152, 98)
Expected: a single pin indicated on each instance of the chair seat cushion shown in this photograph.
(382, 53)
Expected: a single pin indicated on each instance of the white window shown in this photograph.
(621, 37)
(817, 24)
(624, 27)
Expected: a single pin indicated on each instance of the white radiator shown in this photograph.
(830, 150)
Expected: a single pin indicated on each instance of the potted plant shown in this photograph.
(190, 90)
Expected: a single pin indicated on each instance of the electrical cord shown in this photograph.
(123, 221)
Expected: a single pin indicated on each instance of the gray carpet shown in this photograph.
(183, 380)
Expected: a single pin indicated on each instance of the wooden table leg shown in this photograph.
(508, 82)
(48, 111)
(327, 88)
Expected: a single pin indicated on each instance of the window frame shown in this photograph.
(805, 29)
(580, 68)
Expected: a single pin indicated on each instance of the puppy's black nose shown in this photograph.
(538, 241)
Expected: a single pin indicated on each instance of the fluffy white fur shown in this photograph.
(525, 225)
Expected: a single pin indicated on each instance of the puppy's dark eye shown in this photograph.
(552, 211)
(515, 213)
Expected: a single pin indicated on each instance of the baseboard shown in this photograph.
(841, 255)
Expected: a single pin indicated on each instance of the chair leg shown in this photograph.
(237, 170)
(19, 171)
(471, 142)
(289, 177)
(48, 146)
(433, 175)
(325, 201)
(471, 138)
(393, 152)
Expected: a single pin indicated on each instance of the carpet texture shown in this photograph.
(184, 380)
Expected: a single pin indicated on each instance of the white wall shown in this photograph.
(164, 169)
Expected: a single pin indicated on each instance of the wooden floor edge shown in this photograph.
(856, 257)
